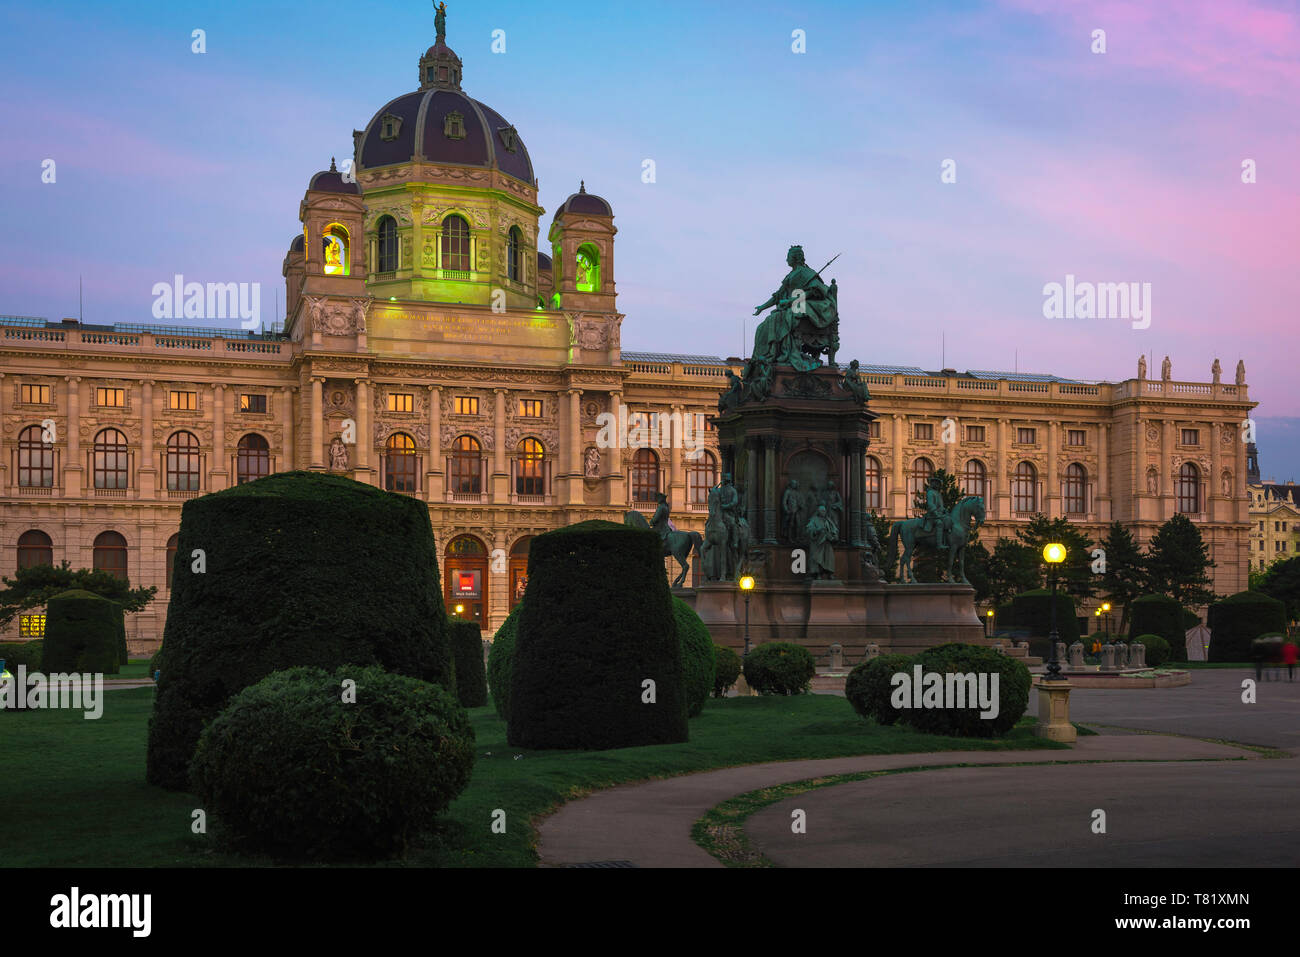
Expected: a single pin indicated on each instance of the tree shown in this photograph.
(1075, 573)
(1125, 576)
(33, 587)
(1281, 580)
(886, 556)
(1177, 563)
(1012, 568)
(977, 570)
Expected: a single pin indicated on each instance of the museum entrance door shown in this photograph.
(465, 566)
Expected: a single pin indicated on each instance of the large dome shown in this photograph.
(416, 128)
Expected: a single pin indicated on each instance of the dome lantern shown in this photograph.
(440, 68)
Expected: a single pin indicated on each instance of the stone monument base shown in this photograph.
(901, 619)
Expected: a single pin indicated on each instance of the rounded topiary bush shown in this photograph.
(1033, 610)
(471, 676)
(697, 656)
(597, 623)
(1163, 616)
(292, 769)
(869, 685)
(123, 653)
(726, 669)
(1234, 623)
(1157, 649)
(780, 667)
(1012, 692)
(501, 658)
(81, 634)
(301, 569)
(25, 653)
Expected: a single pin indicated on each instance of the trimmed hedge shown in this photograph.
(1234, 622)
(26, 653)
(501, 661)
(290, 769)
(81, 634)
(597, 624)
(1163, 616)
(123, 654)
(697, 656)
(780, 667)
(1033, 610)
(471, 676)
(1157, 649)
(1013, 691)
(726, 669)
(303, 568)
(868, 687)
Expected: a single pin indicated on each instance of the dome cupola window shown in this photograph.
(509, 138)
(453, 126)
(390, 127)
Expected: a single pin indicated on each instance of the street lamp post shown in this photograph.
(1053, 554)
(988, 620)
(746, 585)
(1105, 610)
(460, 610)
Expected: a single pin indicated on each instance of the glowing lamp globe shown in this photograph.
(1054, 554)
(746, 583)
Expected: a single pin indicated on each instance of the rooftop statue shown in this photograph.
(440, 21)
(805, 321)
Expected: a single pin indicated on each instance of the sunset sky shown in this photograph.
(1117, 167)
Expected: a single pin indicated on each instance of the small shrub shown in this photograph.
(697, 656)
(289, 769)
(25, 653)
(868, 686)
(81, 634)
(467, 648)
(1157, 649)
(1234, 622)
(780, 667)
(501, 659)
(726, 669)
(1013, 691)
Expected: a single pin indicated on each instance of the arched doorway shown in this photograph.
(466, 566)
(519, 569)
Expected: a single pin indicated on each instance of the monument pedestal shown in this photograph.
(1054, 712)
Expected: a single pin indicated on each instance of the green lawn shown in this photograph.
(74, 795)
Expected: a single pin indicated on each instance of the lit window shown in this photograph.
(35, 394)
(528, 475)
(1026, 436)
(466, 465)
(31, 626)
(401, 402)
(530, 408)
(400, 463)
(466, 405)
(586, 265)
(924, 431)
(974, 433)
(183, 401)
(110, 398)
(252, 403)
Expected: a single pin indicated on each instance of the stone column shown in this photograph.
(1241, 501)
(948, 446)
(435, 486)
(365, 435)
(500, 477)
(316, 455)
(676, 477)
(573, 454)
(72, 468)
(1002, 509)
(771, 516)
(218, 473)
(5, 477)
(1103, 473)
(1167, 504)
(147, 469)
(1214, 494)
(899, 505)
(753, 450)
(1053, 487)
(615, 479)
(286, 416)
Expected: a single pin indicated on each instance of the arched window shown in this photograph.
(874, 486)
(645, 475)
(973, 480)
(466, 467)
(183, 462)
(110, 554)
(586, 271)
(1076, 482)
(400, 466)
(528, 468)
(171, 558)
(922, 469)
(252, 459)
(387, 244)
(704, 475)
(455, 244)
(336, 250)
(35, 459)
(35, 548)
(1024, 488)
(1189, 489)
(112, 457)
(514, 254)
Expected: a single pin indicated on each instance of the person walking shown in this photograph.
(1289, 655)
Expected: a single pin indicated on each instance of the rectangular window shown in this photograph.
(466, 405)
(1026, 436)
(110, 398)
(31, 626)
(401, 402)
(923, 430)
(1075, 437)
(35, 394)
(874, 430)
(702, 422)
(183, 401)
(974, 433)
(530, 408)
(1276, 527)
(1191, 436)
(252, 403)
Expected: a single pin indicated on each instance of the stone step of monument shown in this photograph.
(830, 682)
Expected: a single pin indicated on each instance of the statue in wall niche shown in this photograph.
(790, 505)
(1216, 372)
(834, 503)
(591, 465)
(1241, 372)
(1166, 369)
(1142, 367)
(1227, 484)
(338, 455)
(822, 532)
(1153, 481)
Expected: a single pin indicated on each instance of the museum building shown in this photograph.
(437, 344)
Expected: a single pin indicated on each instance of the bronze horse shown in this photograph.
(678, 544)
(911, 531)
